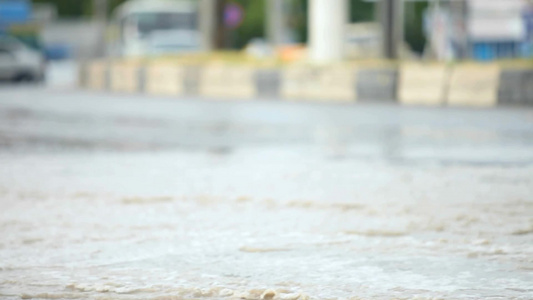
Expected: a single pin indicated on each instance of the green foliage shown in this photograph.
(77, 8)
(68, 8)
(361, 11)
(414, 31)
(300, 18)
(253, 25)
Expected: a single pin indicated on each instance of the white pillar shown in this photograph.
(327, 24)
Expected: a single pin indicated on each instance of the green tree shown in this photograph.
(68, 8)
(361, 11)
(414, 31)
(253, 25)
(78, 8)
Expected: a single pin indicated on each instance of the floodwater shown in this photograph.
(102, 202)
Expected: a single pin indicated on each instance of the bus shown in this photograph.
(156, 27)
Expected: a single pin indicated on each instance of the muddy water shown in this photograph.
(269, 223)
(272, 200)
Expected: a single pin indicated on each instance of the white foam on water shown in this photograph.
(175, 225)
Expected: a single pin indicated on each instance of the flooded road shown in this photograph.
(126, 197)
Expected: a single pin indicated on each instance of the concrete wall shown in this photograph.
(408, 84)
(516, 87)
(423, 84)
(332, 83)
(377, 84)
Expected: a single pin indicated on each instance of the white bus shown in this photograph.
(154, 27)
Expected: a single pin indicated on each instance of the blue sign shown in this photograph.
(14, 11)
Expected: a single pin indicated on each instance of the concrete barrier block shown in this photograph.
(336, 84)
(83, 71)
(319, 83)
(268, 83)
(225, 81)
(423, 84)
(527, 87)
(312, 84)
(212, 81)
(242, 83)
(192, 80)
(124, 77)
(378, 85)
(164, 79)
(297, 81)
(511, 89)
(97, 75)
(141, 78)
(474, 85)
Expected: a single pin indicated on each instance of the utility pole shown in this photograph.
(275, 22)
(327, 24)
(208, 20)
(220, 27)
(390, 14)
(100, 9)
(459, 11)
(100, 15)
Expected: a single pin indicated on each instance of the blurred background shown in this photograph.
(287, 30)
(266, 149)
(293, 29)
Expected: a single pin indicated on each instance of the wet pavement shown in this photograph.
(130, 197)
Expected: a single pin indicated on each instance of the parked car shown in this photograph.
(19, 62)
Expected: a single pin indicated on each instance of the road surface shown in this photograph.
(131, 197)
